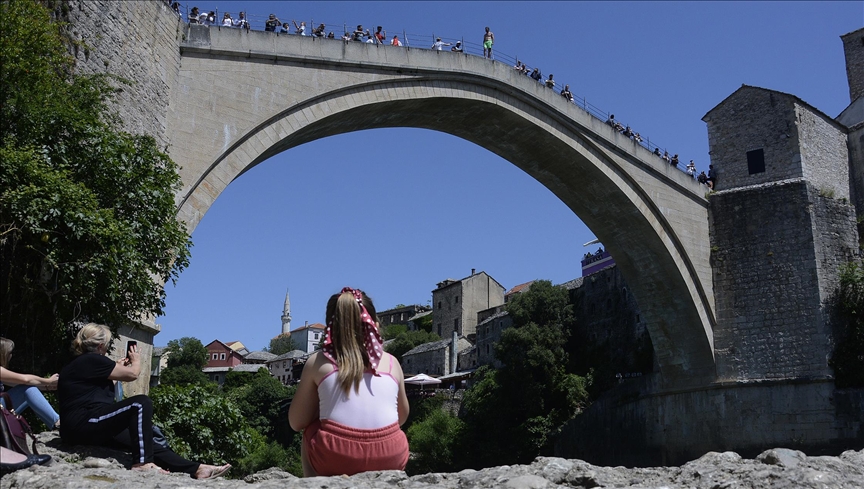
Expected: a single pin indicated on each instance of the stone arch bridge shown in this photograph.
(244, 96)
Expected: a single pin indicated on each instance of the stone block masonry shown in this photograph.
(776, 253)
(137, 40)
(853, 46)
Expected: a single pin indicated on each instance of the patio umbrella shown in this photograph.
(422, 380)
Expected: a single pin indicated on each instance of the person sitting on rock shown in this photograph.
(90, 416)
(351, 398)
(24, 390)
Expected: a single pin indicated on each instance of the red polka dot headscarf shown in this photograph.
(371, 337)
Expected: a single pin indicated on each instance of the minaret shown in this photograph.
(286, 315)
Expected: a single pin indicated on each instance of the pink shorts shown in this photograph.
(336, 449)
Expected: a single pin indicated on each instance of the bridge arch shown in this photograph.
(651, 217)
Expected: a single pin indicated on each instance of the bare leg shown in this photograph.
(308, 471)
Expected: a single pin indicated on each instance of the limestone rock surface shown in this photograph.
(779, 468)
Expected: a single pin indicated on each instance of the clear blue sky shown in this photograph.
(394, 211)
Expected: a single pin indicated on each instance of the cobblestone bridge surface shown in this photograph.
(88, 467)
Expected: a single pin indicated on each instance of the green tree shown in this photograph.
(236, 380)
(513, 414)
(262, 401)
(88, 227)
(424, 323)
(186, 357)
(432, 441)
(391, 331)
(202, 425)
(408, 340)
(282, 344)
(187, 351)
(848, 357)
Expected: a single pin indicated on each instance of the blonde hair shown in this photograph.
(346, 335)
(90, 337)
(6, 347)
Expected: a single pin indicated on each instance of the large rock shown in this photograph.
(94, 467)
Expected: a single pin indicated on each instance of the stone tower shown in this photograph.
(781, 225)
(853, 47)
(853, 116)
(286, 315)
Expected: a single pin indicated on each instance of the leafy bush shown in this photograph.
(267, 455)
(432, 441)
(408, 340)
(201, 425)
(262, 402)
(848, 358)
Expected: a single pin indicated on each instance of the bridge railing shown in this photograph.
(425, 41)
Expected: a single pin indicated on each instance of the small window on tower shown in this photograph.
(756, 161)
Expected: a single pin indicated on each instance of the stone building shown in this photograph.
(853, 116)
(401, 315)
(283, 366)
(158, 363)
(781, 226)
(608, 333)
(217, 374)
(433, 358)
(491, 323)
(455, 303)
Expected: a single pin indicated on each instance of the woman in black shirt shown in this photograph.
(91, 417)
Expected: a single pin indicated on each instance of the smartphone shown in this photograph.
(129, 345)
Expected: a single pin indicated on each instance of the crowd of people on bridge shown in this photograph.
(379, 36)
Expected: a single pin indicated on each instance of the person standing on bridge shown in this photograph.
(438, 45)
(488, 41)
(241, 21)
(395, 41)
(272, 23)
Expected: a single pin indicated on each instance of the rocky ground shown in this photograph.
(89, 467)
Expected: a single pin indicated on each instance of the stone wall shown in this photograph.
(629, 426)
(796, 139)
(138, 40)
(855, 143)
(853, 46)
(609, 329)
(776, 252)
(447, 309)
(824, 155)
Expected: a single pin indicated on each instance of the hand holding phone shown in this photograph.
(129, 345)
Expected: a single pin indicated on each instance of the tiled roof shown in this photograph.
(419, 315)
(260, 355)
(493, 317)
(431, 346)
(519, 288)
(310, 326)
(573, 284)
(290, 355)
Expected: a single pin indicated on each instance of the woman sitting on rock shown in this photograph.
(351, 399)
(25, 388)
(91, 417)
